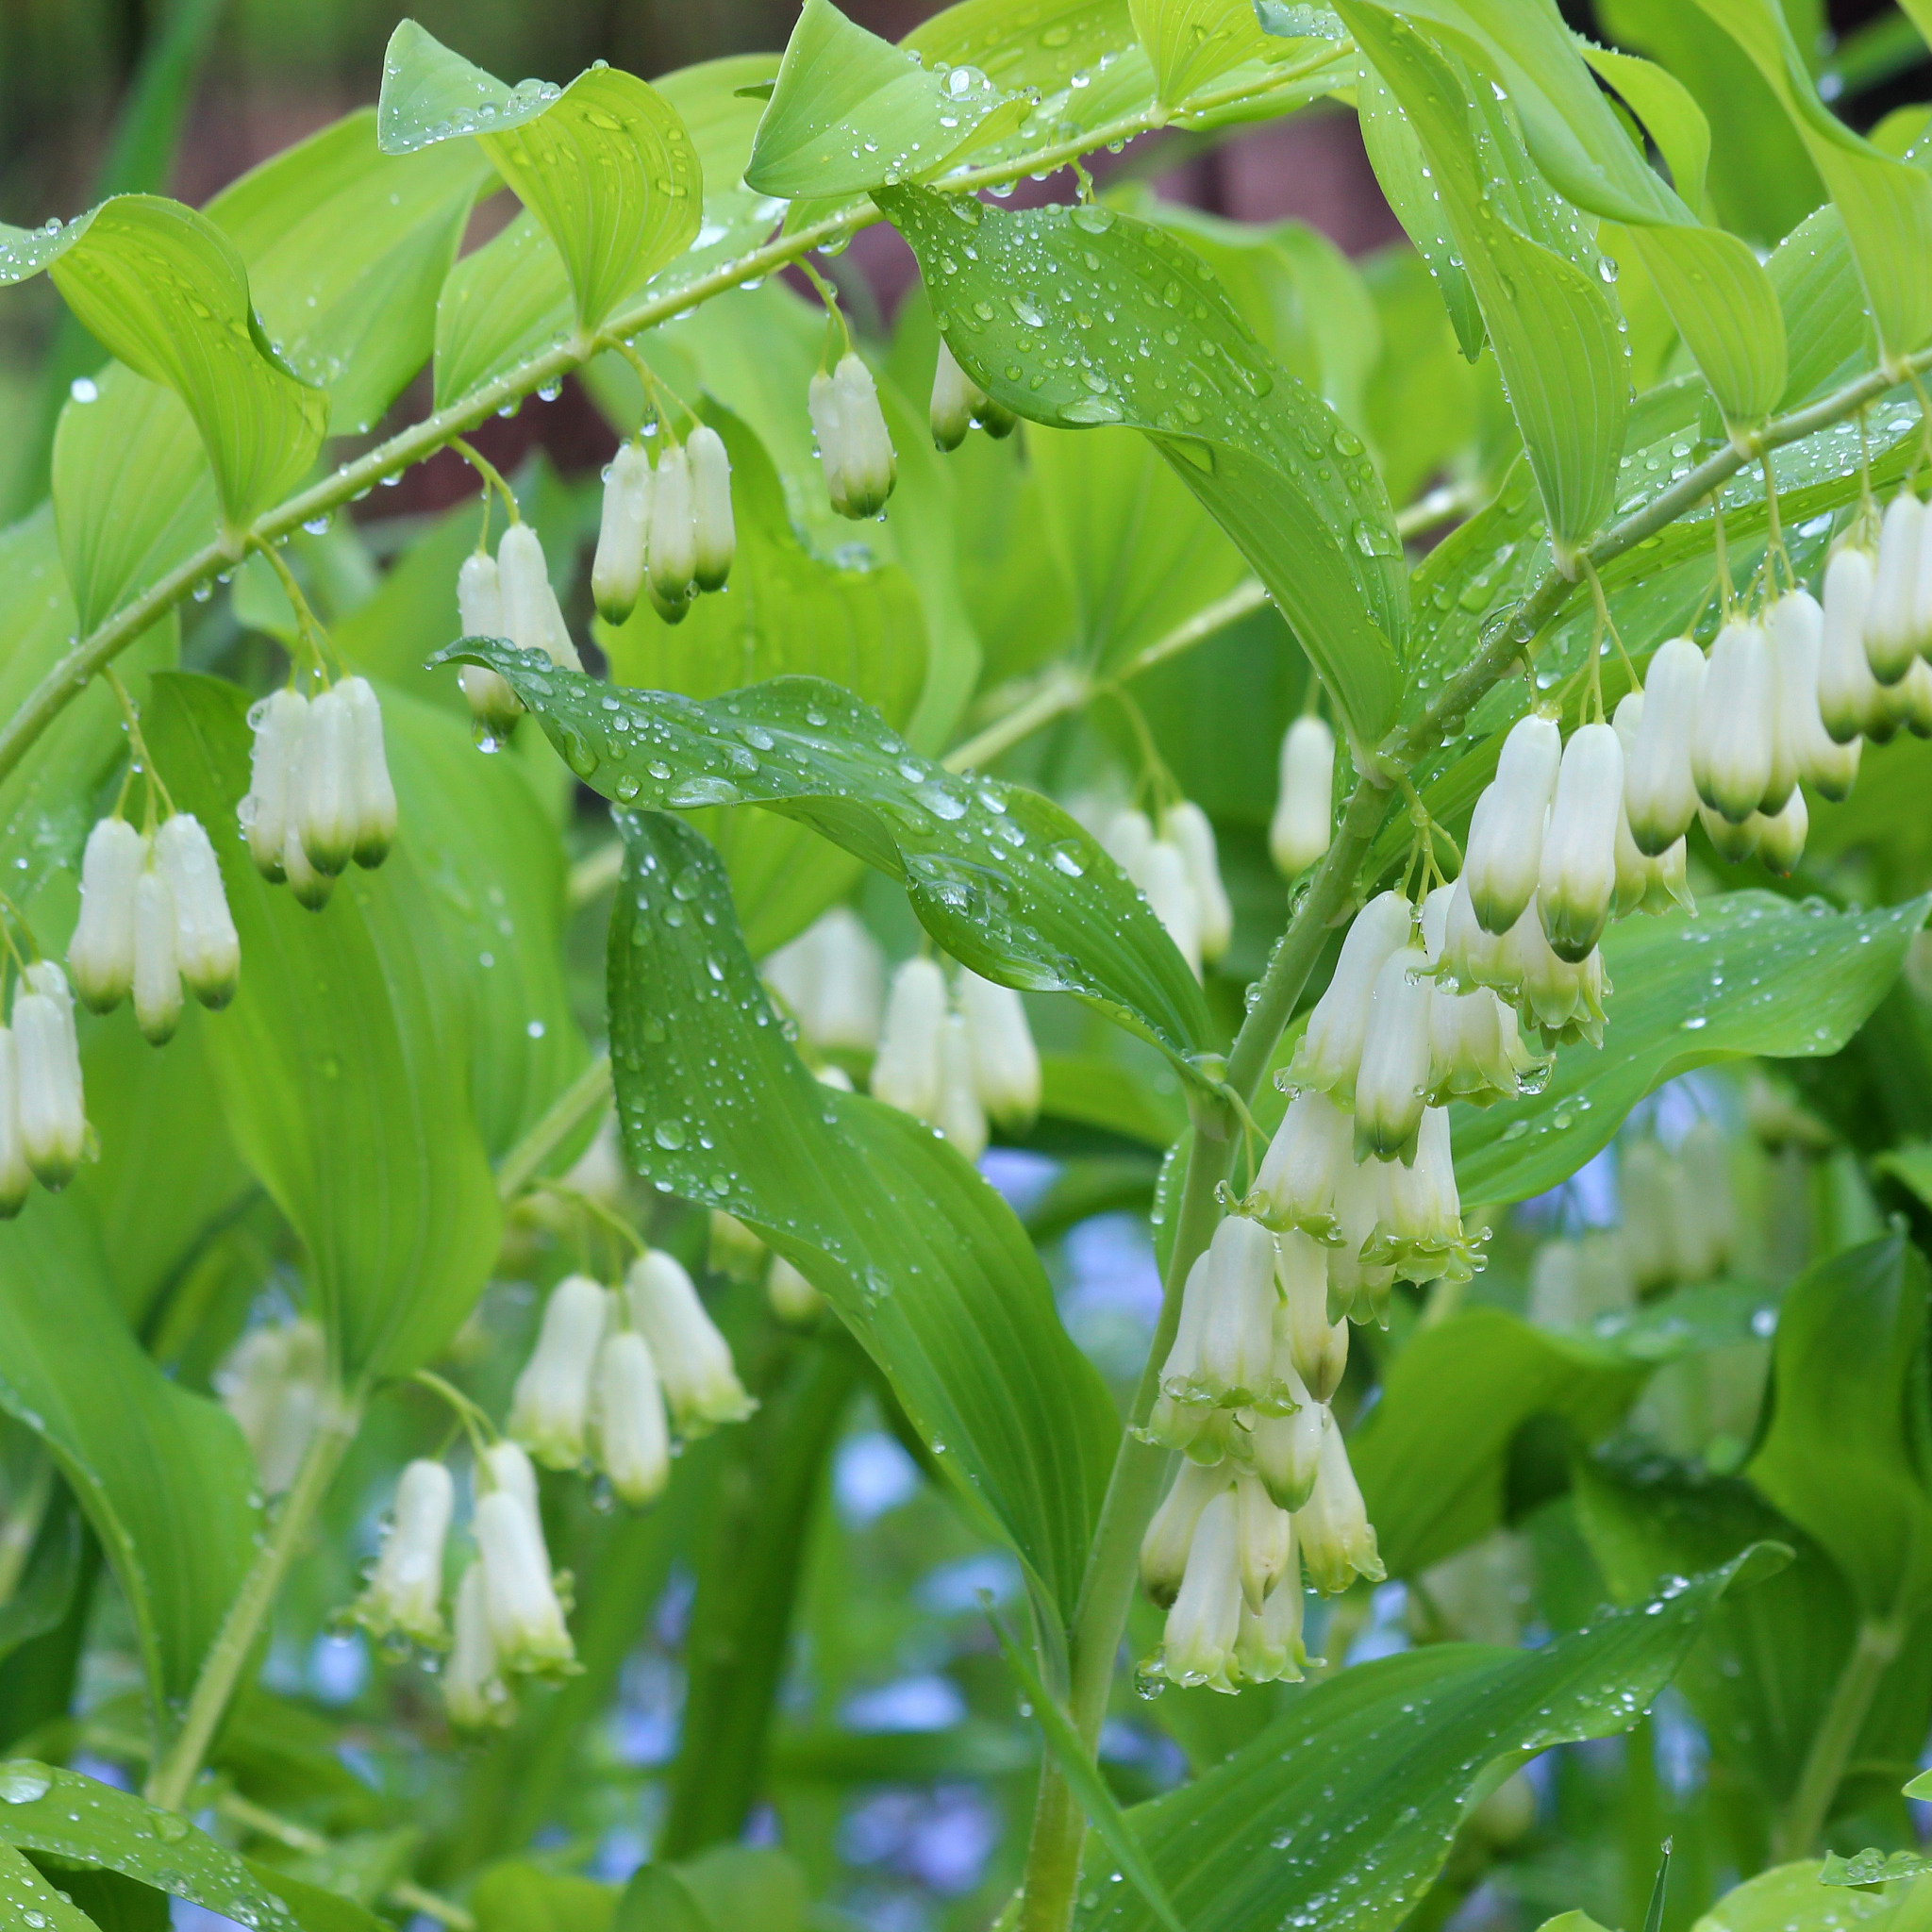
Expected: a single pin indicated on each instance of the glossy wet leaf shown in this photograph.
(164, 289)
(1873, 1867)
(46, 1587)
(1789, 1898)
(1298, 1825)
(932, 1274)
(165, 1476)
(1752, 975)
(1002, 878)
(1190, 43)
(1076, 317)
(344, 1067)
(30, 1898)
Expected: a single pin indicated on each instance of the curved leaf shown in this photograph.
(1074, 317)
(933, 1273)
(1000, 876)
(1190, 42)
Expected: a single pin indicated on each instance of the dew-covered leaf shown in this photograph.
(1002, 878)
(1791, 1898)
(930, 1270)
(29, 1899)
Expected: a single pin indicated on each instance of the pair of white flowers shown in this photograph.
(959, 403)
(274, 1383)
(509, 595)
(854, 450)
(43, 1131)
(956, 1059)
(1897, 624)
(153, 916)
(1176, 864)
(667, 528)
(320, 793)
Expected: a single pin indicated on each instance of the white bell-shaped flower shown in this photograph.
(532, 618)
(1645, 884)
(1359, 1285)
(1895, 630)
(16, 1176)
(1419, 1222)
(1564, 998)
(961, 1119)
(100, 955)
(1909, 701)
(955, 397)
(1577, 882)
(479, 614)
(1734, 742)
(1338, 1543)
(1471, 958)
(1506, 831)
(693, 1359)
(633, 1440)
(1393, 1079)
(1329, 1053)
(1660, 791)
(1574, 1283)
(1126, 838)
(833, 977)
(207, 947)
(1782, 834)
(792, 1297)
(1198, 1644)
(909, 1071)
(1237, 1335)
(53, 1122)
(1286, 1449)
(1735, 843)
(854, 448)
(509, 1467)
(1005, 1063)
(549, 1409)
(307, 886)
(1264, 1538)
(1189, 827)
(1296, 1187)
(525, 1616)
(269, 813)
(157, 967)
(1849, 697)
(1183, 1377)
(1298, 834)
(713, 528)
(1317, 1347)
(1164, 1548)
(1170, 889)
(617, 572)
(404, 1595)
(1269, 1649)
(325, 815)
(271, 1384)
(1795, 626)
(673, 549)
(375, 795)
(474, 1692)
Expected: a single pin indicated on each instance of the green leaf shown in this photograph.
(163, 1476)
(1752, 975)
(343, 1067)
(523, 1898)
(934, 1277)
(1190, 42)
(1668, 111)
(28, 1898)
(1873, 1867)
(1789, 1898)
(1084, 1779)
(1563, 362)
(1825, 318)
(45, 1587)
(312, 1909)
(722, 1889)
(164, 289)
(1076, 317)
(1001, 877)
(112, 1902)
(348, 248)
(1848, 1453)
(1299, 1823)
(133, 493)
(1919, 1787)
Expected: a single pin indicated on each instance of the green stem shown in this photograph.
(174, 1775)
(586, 1096)
(1872, 1654)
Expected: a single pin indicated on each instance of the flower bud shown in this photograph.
(405, 1592)
(307, 887)
(1006, 1063)
(1910, 698)
(854, 448)
(734, 1250)
(954, 398)
(1316, 1348)
(1476, 1052)
(1564, 999)
(617, 572)
(532, 618)
(628, 1418)
(1796, 625)
(1848, 694)
(1238, 1319)
(1358, 1286)
(509, 1467)
(1287, 1449)
(325, 812)
(1660, 792)
(1182, 1376)
(1338, 1543)
(1650, 885)
(907, 1072)
(1643, 1192)
(1781, 836)
(673, 545)
(1171, 895)
(1471, 958)
(1735, 739)
(474, 1692)
(832, 976)
(1330, 1051)
(1127, 839)
(374, 796)
(715, 531)
(157, 973)
(1395, 1072)
(1164, 1548)
(520, 1599)
(693, 1359)
(16, 1177)
(1296, 1188)
(1506, 832)
(792, 1296)
(269, 813)
(206, 944)
(1298, 833)
(1187, 826)
(1707, 1203)
(1573, 1282)
(1894, 629)
(53, 1125)
(1264, 1538)
(1419, 1222)
(550, 1405)
(479, 614)
(1578, 880)
(100, 955)
(272, 1385)
(1269, 1649)
(1735, 843)
(1197, 1646)
(961, 1119)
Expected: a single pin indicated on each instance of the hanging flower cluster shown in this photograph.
(959, 403)
(508, 595)
(667, 529)
(1175, 865)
